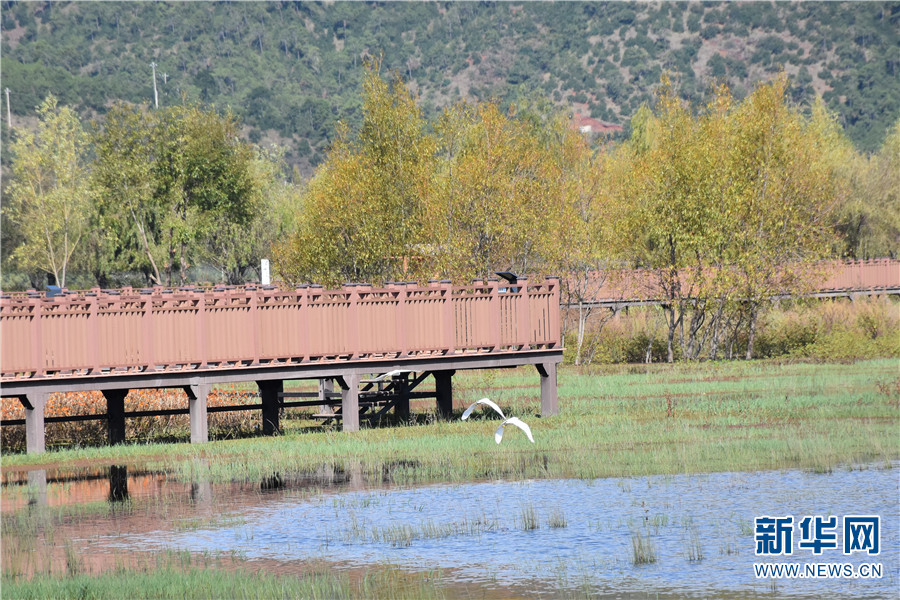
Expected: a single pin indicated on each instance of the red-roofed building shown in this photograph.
(589, 125)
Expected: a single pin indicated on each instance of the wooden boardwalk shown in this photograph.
(621, 288)
(191, 338)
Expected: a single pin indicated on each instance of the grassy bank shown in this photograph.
(614, 421)
(181, 575)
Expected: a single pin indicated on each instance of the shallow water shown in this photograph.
(548, 537)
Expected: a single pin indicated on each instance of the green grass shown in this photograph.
(179, 575)
(616, 421)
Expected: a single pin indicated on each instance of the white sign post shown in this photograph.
(264, 271)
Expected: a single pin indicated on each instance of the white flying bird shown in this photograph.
(498, 435)
(486, 402)
(389, 375)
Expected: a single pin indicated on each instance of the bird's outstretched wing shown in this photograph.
(486, 402)
(389, 374)
(498, 435)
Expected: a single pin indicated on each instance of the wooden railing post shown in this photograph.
(495, 322)
(303, 293)
(253, 323)
(523, 323)
(202, 337)
(147, 332)
(353, 320)
(93, 333)
(447, 313)
(554, 314)
(402, 318)
(37, 338)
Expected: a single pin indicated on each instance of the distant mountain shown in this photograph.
(292, 70)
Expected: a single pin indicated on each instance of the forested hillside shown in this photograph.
(290, 71)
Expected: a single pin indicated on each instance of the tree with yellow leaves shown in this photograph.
(729, 207)
(49, 194)
(362, 213)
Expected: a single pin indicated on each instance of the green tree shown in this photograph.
(129, 214)
(501, 192)
(869, 218)
(204, 172)
(787, 189)
(363, 210)
(50, 194)
(235, 246)
(729, 207)
(178, 188)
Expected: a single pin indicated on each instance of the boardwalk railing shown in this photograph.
(824, 279)
(195, 329)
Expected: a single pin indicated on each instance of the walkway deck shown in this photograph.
(192, 338)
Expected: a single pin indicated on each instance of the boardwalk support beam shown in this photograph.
(115, 413)
(549, 399)
(350, 401)
(34, 403)
(269, 392)
(198, 394)
(401, 384)
(443, 391)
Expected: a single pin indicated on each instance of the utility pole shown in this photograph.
(155, 95)
(8, 114)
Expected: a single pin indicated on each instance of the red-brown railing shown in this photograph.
(825, 278)
(104, 332)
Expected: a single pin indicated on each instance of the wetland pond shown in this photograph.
(675, 535)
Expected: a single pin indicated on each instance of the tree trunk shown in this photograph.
(718, 326)
(670, 338)
(751, 338)
(155, 277)
(182, 269)
(698, 317)
(582, 320)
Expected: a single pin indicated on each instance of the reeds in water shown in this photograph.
(557, 519)
(528, 518)
(643, 550)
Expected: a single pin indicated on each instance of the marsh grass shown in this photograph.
(528, 518)
(400, 535)
(557, 519)
(182, 575)
(643, 549)
(619, 421)
(693, 547)
(729, 417)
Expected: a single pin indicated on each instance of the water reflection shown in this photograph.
(568, 533)
(201, 489)
(37, 487)
(549, 537)
(118, 483)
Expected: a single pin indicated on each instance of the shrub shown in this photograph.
(820, 329)
(159, 428)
